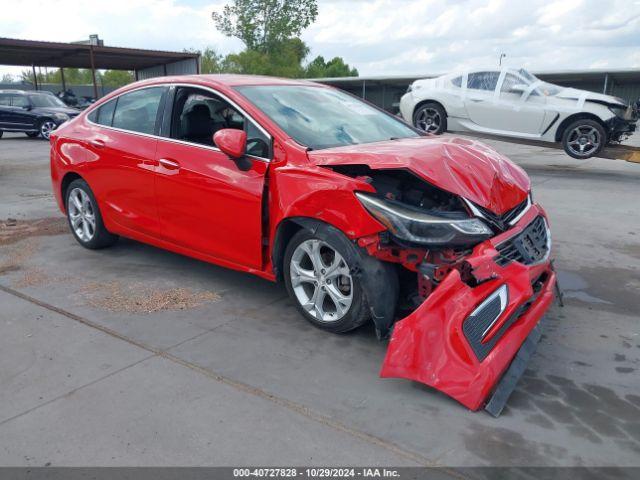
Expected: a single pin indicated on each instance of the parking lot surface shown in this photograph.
(137, 356)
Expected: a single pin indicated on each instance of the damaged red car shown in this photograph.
(436, 240)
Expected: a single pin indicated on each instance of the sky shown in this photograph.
(378, 37)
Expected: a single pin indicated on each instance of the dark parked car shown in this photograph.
(34, 113)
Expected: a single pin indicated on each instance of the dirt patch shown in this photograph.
(141, 298)
(33, 277)
(14, 257)
(12, 231)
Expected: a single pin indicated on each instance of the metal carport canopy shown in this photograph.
(72, 55)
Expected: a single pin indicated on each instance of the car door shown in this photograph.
(207, 202)
(519, 107)
(479, 98)
(5, 110)
(21, 112)
(121, 147)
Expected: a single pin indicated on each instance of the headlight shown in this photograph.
(622, 112)
(61, 116)
(416, 226)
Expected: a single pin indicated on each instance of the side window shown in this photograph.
(199, 114)
(457, 82)
(483, 80)
(19, 101)
(509, 81)
(137, 111)
(104, 114)
(5, 100)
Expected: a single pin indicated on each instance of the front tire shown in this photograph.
(431, 118)
(84, 217)
(46, 127)
(318, 277)
(583, 139)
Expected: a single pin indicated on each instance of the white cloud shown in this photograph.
(376, 36)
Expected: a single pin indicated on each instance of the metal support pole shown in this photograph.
(93, 73)
(606, 81)
(35, 77)
(364, 89)
(64, 84)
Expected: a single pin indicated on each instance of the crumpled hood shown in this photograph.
(575, 94)
(461, 166)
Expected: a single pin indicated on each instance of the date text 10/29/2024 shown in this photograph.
(316, 472)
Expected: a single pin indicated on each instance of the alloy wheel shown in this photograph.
(584, 140)
(81, 214)
(46, 128)
(321, 280)
(429, 120)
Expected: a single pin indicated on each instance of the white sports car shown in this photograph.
(514, 103)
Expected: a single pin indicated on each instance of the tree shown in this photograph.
(335, 67)
(263, 24)
(211, 61)
(6, 78)
(116, 78)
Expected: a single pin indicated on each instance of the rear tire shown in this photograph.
(85, 220)
(1, 132)
(431, 118)
(583, 139)
(319, 280)
(32, 134)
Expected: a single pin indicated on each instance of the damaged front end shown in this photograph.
(474, 284)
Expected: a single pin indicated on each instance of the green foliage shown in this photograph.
(263, 24)
(270, 30)
(79, 76)
(335, 67)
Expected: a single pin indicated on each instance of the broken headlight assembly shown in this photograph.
(623, 112)
(417, 226)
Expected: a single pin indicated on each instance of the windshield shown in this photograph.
(46, 101)
(545, 88)
(319, 117)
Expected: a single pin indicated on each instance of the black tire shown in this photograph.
(358, 312)
(101, 238)
(597, 138)
(33, 134)
(1, 132)
(45, 127)
(430, 112)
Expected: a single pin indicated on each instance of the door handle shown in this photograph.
(97, 143)
(476, 100)
(169, 164)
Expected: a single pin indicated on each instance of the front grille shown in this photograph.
(528, 247)
(501, 222)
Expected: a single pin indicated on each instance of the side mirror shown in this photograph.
(518, 88)
(231, 141)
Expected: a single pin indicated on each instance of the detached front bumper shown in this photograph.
(456, 341)
(620, 128)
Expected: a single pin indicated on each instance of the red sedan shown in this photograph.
(436, 240)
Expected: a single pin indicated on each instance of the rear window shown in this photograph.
(457, 82)
(137, 111)
(104, 114)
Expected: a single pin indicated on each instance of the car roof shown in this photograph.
(13, 91)
(228, 80)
